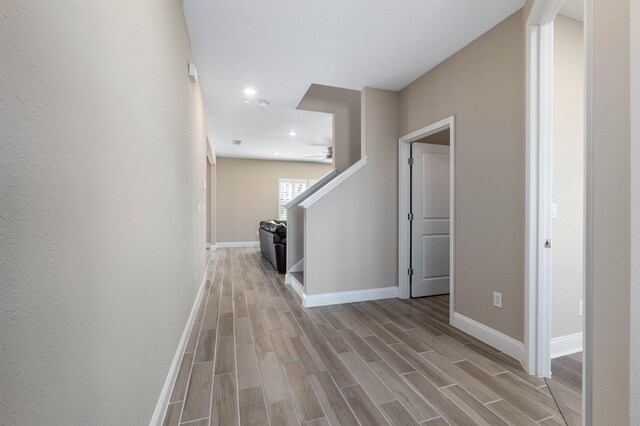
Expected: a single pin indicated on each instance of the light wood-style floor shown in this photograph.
(255, 356)
(566, 387)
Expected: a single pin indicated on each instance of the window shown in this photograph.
(288, 189)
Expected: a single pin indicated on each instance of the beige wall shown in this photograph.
(212, 206)
(483, 87)
(610, 224)
(351, 234)
(101, 162)
(247, 193)
(635, 214)
(208, 203)
(344, 104)
(568, 177)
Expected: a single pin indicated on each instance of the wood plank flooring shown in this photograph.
(257, 357)
(566, 387)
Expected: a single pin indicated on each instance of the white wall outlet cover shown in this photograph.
(497, 299)
(193, 73)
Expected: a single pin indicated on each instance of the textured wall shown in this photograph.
(102, 159)
(635, 213)
(247, 193)
(483, 85)
(610, 132)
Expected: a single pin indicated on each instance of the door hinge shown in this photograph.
(411, 161)
(410, 272)
(547, 243)
(410, 216)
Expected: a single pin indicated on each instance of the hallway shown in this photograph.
(255, 356)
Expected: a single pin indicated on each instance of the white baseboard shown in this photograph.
(295, 285)
(488, 335)
(165, 395)
(311, 300)
(239, 244)
(566, 345)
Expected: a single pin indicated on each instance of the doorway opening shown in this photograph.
(426, 258)
(557, 325)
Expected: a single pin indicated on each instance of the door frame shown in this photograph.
(404, 198)
(538, 187)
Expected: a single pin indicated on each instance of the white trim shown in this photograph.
(310, 190)
(500, 341)
(165, 394)
(311, 300)
(295, 285)
(404, 178)
(538, 187)
(238, 244)
(335, 182)
(211, 246)
(566, 345)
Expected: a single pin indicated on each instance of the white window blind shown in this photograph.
(288, 189)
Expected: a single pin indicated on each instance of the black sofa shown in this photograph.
(273, 243)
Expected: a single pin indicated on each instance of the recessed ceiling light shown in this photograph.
(292, 133)
(264, 104)
(276, 153)
(246, 101)
(250, 91)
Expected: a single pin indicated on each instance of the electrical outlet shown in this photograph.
(580, 308)
(497, 299)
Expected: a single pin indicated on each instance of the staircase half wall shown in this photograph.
(350, 239)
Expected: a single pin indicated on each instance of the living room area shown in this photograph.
(248, 198)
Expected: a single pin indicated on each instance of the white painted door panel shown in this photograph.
(430, 227)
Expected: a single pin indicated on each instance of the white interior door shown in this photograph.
(430, 230)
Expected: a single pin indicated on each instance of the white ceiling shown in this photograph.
(281, 47)
(573, 9)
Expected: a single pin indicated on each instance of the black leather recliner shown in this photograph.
(273, 243)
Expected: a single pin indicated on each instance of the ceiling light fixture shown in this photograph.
(276, 153)
(292, 133)
(250, 91)
(236, 141)
(264, 104)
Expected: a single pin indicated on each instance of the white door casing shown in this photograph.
(431, 219)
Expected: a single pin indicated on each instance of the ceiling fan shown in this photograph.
(328, 153)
